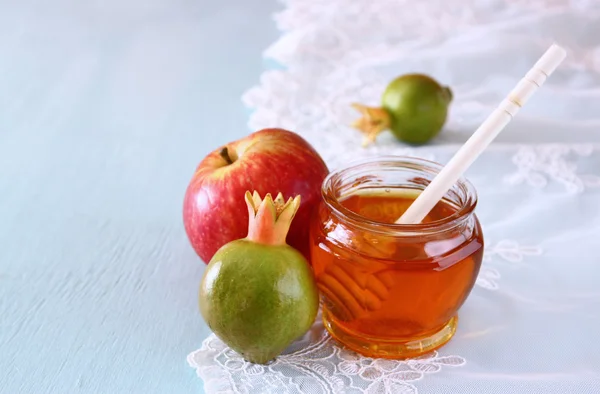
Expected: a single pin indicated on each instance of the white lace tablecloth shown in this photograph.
(531, 324)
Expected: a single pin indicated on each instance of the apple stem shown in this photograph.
(225, 155)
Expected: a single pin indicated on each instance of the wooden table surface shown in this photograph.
(105, 110)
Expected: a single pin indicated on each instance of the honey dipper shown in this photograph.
(353, 292)
(483, 136)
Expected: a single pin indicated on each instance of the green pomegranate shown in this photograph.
(258, 294)
(414, 108)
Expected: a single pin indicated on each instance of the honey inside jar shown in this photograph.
(389, 292)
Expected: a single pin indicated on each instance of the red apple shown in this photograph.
(268, 161)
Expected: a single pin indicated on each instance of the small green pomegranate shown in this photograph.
(258, 294)
(414, 108)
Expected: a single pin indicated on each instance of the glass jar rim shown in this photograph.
(464, 210)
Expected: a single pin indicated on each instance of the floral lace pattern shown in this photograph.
(508, 250)
(330, 63)
(538, 164)
(315, 364)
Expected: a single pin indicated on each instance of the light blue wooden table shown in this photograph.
(105, 110)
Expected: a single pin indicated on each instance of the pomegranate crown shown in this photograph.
(270, 219)
(373, 121)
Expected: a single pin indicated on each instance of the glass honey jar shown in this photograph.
(393, 290)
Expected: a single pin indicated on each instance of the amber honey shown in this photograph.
(393, 290)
